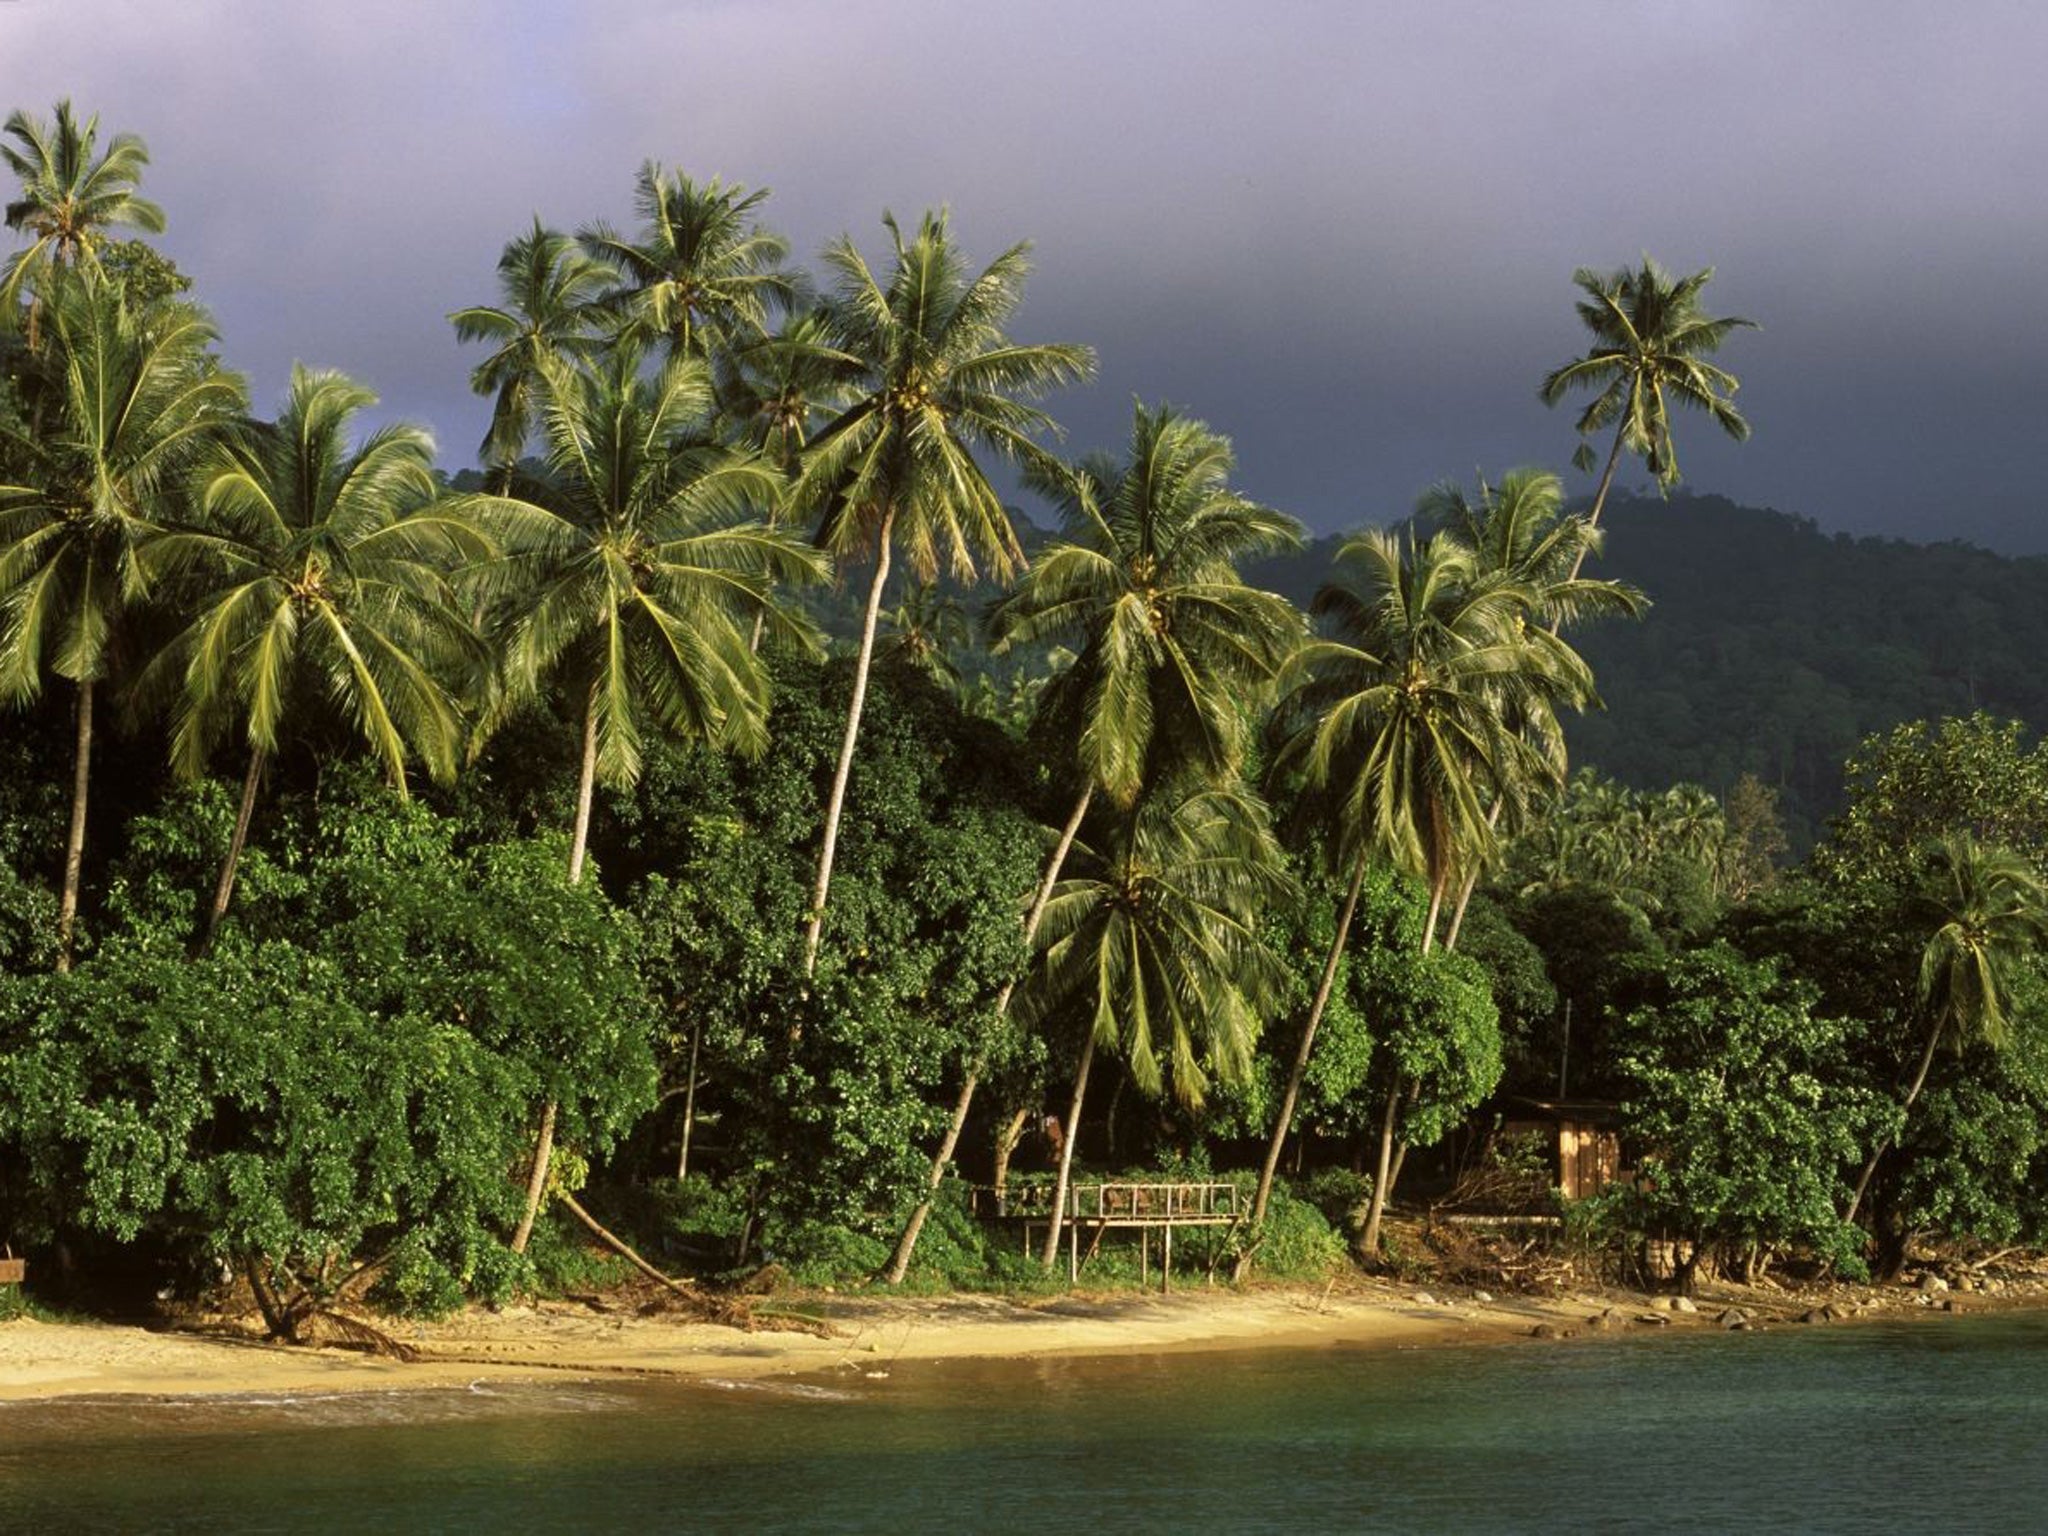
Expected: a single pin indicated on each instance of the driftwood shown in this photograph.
(619, 1246)
(729, 1311)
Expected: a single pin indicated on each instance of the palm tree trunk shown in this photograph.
(1059, 1190)
(1401, 1147)
(74, 842)
(837, 802)
(689, 1101)
(579, 842)
(1284, 1121)
(537, 1180)
(1600, 495)
(1005, 1148)
(1906, 1108)
(1436, 906)
(225, 890)
(1369, 1243)
(899, 1262)
(586, 790)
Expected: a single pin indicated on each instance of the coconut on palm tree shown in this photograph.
(134, 396)
(775, 389)
(935, 380)
(546, 287)
(1650, 351)
(1173, 654)
(1988, 910)
(320, 575)
(630, 583)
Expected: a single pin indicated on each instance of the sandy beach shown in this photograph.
(870, 1334)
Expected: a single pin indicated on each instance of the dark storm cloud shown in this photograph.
(1341, 232)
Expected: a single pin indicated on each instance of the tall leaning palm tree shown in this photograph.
(1404, 727)
(72, 191)
(633, 580)
(136, 395)
(1988, 908)
(936, 379)
(1651, 345)
(1174, 655)
(546, 287)
(320, 571)
(701, 276)
(1154, 945)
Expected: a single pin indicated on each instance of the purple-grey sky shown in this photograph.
(1341, 232)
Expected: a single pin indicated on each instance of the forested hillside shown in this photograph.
(1773, 647)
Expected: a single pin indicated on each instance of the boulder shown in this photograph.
(1484, 1298)
(1734, 1317)
(1932, 1284)
(1424, 1299)
(1683, 1304)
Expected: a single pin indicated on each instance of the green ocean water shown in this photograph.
(1937, 1425)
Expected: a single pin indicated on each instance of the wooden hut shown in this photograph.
(1582, 1135)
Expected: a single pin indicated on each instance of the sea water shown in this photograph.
(1937, 1424)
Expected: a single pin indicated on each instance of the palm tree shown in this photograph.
(1989, 908)
(137, 395)
(634, 579)
(775, 388)
(1408, 727)
(323, 579)
(1651, 342)
(70, 193)
(936, 378)
(1519, 534)
(1175, 653)
(546, 287)
(701, 276)
(925, 629)
(1155, 944)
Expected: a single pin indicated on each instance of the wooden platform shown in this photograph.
(1118, 1205)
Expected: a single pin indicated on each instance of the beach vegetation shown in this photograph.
(593, 853)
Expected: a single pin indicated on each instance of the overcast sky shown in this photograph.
(1343, 233)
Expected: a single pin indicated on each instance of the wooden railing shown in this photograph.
(1119, 1203)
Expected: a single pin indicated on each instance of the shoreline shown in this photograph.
(562, 1340)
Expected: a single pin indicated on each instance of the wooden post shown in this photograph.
(1166, 1261)
(1144, 1256)
(1074, 1248)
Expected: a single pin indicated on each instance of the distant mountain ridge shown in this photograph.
(1773, 647)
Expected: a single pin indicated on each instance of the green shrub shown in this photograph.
(1338, 1193)
(823, 1253)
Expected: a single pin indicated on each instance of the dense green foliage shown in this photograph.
(546, 781)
